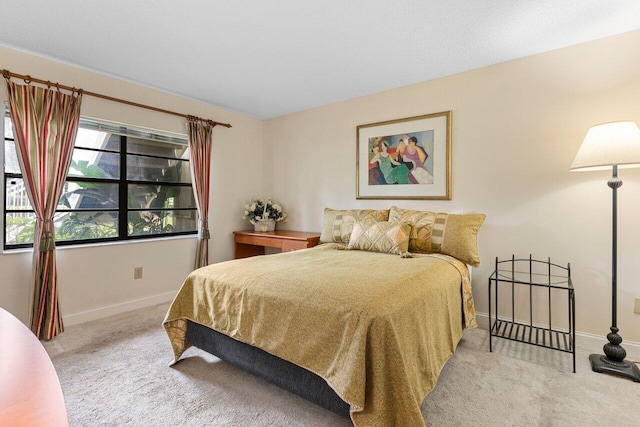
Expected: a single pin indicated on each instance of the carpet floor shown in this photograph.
(114, 372)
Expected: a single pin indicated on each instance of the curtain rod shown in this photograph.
(28, 79)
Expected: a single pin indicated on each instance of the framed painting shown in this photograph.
(405, 158)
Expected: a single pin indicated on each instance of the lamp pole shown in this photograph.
(614, 183)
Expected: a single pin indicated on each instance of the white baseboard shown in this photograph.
(583, 339)
(110, 310)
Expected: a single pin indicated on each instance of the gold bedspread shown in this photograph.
(377, 327)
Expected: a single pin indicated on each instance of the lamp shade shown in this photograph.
(608, 144)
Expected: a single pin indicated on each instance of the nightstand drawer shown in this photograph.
(291, 245)
(251, 243)
(258, 241)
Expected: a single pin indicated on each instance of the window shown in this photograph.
(123, 184)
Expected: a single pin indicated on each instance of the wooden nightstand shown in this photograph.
(250, 243)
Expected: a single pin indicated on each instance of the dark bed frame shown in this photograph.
(278, 371)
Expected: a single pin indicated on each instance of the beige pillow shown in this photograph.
(450, 234)
(339, 223)
(381, 236)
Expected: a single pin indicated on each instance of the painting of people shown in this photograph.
(401, 159)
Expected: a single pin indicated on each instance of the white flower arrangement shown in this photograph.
(259, 210)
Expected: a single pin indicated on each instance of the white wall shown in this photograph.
(98, 280)
(516, 128)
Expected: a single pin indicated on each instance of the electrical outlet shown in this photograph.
(137, 273)
(636, 308)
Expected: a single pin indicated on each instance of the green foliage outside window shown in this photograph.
(159, 199)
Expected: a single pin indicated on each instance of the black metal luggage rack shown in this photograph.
(526, 272)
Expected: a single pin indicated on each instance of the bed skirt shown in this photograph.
(278, 371)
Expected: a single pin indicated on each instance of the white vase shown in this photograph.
(264, 225)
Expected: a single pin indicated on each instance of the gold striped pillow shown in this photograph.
(450, 234)
(339, 223)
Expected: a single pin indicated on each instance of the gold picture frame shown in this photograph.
(405, 158)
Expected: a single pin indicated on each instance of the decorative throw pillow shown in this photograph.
(339, 223)
(421, 227)
(380, 236)
(450, 234)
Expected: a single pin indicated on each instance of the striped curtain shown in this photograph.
(45, 123)
(200, 151)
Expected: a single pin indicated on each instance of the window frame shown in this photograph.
(123, 183)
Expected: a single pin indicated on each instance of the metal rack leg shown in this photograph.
(573, 328)
(490, 327)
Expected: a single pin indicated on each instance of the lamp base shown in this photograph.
(601, 363)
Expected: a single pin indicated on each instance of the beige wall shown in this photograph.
(98, 280)
(516, 129)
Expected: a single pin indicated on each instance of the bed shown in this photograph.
(363, 333)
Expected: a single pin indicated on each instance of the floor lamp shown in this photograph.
(605, 147)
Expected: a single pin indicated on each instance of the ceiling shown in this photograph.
(270, 58)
